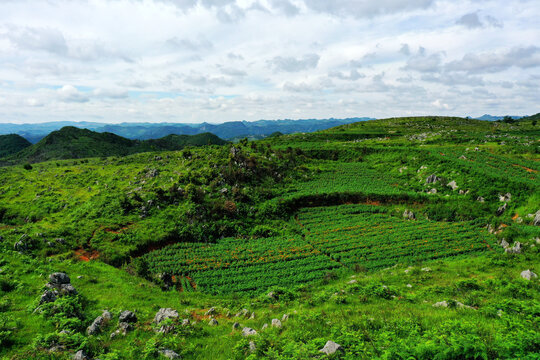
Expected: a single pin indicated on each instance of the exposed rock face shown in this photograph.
(331, 348)
(248, 332)
(432, 179)
(528, 275)
(164, 314)
(98, 323)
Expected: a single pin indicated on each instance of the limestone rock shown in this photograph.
(248, 332)
(528, 275)
(331, 348)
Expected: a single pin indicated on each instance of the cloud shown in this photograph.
(405, 50)
(353, 75)
(69, 93)
(195, 45)
(523, 57)
(45, 39)
(110, 93)
(473, 21)
(366, 8)
(285, 6)
(291, 64)
(424, 63)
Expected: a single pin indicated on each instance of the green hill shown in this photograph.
(402, 238)
(75, 143)
(11, 144)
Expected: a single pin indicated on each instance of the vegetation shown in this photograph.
(11, 144)
(383, 236)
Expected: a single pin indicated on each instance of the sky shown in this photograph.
(227, 60)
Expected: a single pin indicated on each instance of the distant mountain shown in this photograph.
(11, 144)
(74, 143)
(494, 118)
(145, 131)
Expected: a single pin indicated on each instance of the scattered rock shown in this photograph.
(236, 326)
(213, 322)
(432, 191)
(252, 347)
(452, 184)
(426, 269)
(243, 313)
(504, 244)
(480, 199)
(248, 332)
(536, 221)
(462, 157)
(47, 297)
(98, 323)
(23, 244)
(276, 323)
(440, 304)
(59, 278)
(353, 281)
(502, 209)
(285, 317)
(185, 322)
(408, 214)
(505, 198)
(127, 317)
(210, 311)
(432, 179)
(528, 275)
(164, 314)
(169, 354)
(252, 316)
(516, 249)
(80, 355)
(409, 285)
(331, 348)
(265, 325)
(457, 304)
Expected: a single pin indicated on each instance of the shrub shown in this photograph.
(27, 166)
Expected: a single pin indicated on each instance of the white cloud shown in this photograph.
(291, 64)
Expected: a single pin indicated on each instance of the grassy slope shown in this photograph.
(365, 319)
(11, 144)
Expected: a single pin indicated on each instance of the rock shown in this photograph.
(164, 314)
(408, 214)
(67, 289)
(59, 278)
(236, 326)
(440, 304)
(331, 348)
(504, 244)
(271, 295)
(480, 199)
(401, 169)
(264, 326)
(353, 281)
(80, 355)
(276, 323)
(432, 191)
(185, 322)
(452, 184)
(528, 275)
(169, 354)
(252, 347)
(432, 179)
(98, 323)
(80, 277)
(211, 311)
(462, 157)
(409, 285)
(516, 249)
(23, 244)
(505, 198)
(536, 221)
(426, 269)
(123, 328)
(252, 316)
(285, 317)
(502, 209)
(248, 332)
(47, 297)
(213, 322)
(243, 313)
(127, 317)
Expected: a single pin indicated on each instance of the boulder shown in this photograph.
(169, 354)
(265, 325)
(536, 221)
(98, 323)
(66, 289)
(164, 314)
(432, 179)
(432, 191)
(252, 347)
(285, 317)
(243, 313)
(331, 348)
(80, 355)
(248, 332)
(213, 322)
(505, 198)
(408, 214)
(452, 184)
(236, 326)
(502, 209)
(23, 244)
(185, 322)
(276, 323)
(47, 297)
(516, 249)
(127, 317)
(480, 199)
(426, 269)
(504, 244)
(210, 311)
(353, 281)
(59, 278)
(528, 275)
(440, 304)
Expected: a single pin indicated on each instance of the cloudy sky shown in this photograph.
(224, 60)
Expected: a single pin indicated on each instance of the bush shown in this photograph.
(27, 166)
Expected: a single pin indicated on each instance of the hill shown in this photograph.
(395, 238)
(11, 144)
(74, 143)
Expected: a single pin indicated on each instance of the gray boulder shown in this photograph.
(528, 275)
(210, 311)
(536, 221)
(248, 332)
(331, 348)
(408, 214)
(285, 317)
(480, 199)
(59, 278)
(276, 323)
(504, 244)
(516, 249)
(169, 354)
(164, 314)
(98, 323)
(47, 297)
(185, 322)
(252, 347)
(127, 317)
(23, 244)
(502, 209)
(80, 355)
(213, 322)
(432, 179)
(505, 198)
(452, 184)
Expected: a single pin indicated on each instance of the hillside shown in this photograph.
(400, 238)
(75, 143)
(11, 144)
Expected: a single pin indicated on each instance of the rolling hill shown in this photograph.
(75, 143)
(11, 144)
